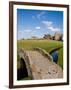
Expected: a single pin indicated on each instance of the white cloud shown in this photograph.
(49, 26)
(24, 33)
(37, 28)
(47, 23)
(27, 33)
(27, 30)
(53, 29)
(40, 14)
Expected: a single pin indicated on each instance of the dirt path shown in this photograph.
(42, 68)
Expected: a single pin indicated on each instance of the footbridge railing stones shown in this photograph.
(43, 52)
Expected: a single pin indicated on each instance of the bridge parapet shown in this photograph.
(42, 51)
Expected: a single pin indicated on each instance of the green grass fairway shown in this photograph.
(44, 44)
(60, 57)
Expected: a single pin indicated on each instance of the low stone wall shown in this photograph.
(42, 51)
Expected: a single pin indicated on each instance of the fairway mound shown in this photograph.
(55, 49)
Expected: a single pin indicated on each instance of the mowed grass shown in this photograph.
(47, 45)
(60, 57)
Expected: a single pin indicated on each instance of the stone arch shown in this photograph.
(26, 62)
(22, 71)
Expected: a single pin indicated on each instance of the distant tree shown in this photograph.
(22, 38)
(47, 36)
(34, 37)
(52, 37)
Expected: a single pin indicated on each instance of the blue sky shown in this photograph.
(38, 22)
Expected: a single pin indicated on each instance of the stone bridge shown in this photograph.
(40, 64)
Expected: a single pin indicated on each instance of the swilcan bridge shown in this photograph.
(40, 64)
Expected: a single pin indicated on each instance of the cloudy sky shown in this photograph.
(38, 22)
